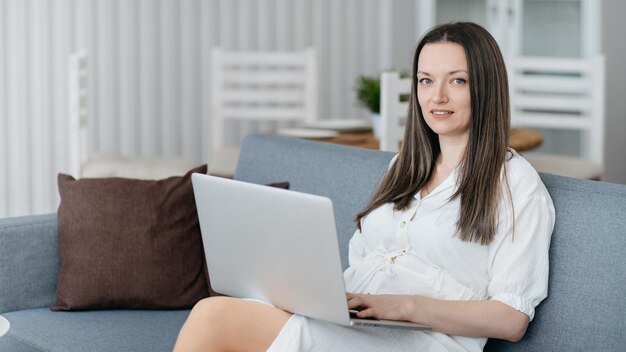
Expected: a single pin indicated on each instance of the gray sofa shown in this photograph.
(585, 309)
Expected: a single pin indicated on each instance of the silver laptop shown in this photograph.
(277, 246)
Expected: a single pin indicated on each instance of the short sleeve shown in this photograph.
(518, 256)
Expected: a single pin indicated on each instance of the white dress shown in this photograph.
(432, 261)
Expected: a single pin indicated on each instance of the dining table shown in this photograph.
(521, 139)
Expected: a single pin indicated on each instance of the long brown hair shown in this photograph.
(482, 163)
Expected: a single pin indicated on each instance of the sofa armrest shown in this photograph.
(29, 262)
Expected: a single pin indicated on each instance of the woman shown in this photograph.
(455, 237)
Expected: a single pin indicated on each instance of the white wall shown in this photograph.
(614, 47)
(149, 69)
(149, 86)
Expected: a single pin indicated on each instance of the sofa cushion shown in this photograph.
(127, 243)
(116, 330)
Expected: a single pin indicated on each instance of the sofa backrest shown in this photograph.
(586, 306)
(29, 262)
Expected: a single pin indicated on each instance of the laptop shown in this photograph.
(277, 246)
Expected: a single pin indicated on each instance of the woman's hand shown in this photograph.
(387, 307)
(485, 318)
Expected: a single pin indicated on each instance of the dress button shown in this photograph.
(403, 224)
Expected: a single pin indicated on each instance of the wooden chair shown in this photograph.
(561, 94)
(85, 163)
(258, 86)
(393, 112)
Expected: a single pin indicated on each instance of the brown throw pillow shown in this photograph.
(128, 243)
(283, 185)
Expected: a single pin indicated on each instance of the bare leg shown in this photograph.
(230, 324)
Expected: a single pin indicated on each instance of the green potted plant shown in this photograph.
(368, 95)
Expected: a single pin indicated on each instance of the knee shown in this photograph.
(205, 324)
(212, 309)
(203, 329)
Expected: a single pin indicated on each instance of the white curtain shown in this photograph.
(149, 73)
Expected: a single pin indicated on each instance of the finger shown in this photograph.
(367, 313)
(352, 296)
(354, 302)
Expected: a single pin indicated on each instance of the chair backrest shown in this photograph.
(262, 86)
(78, 129)
(560, 94)
(393, 112)
(84, 161)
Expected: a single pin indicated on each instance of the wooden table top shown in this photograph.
(521, 139)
